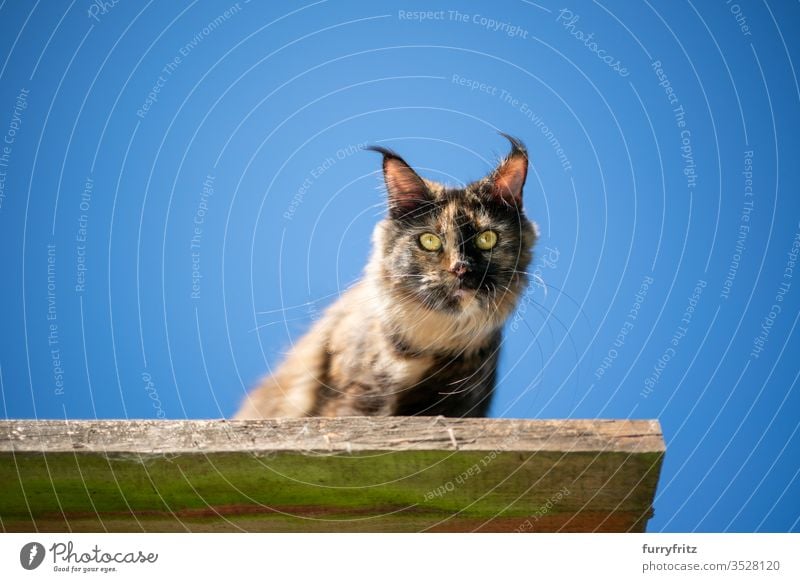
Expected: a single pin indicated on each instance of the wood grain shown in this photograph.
(329, 474)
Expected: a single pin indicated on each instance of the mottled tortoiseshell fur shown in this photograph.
(412, 337)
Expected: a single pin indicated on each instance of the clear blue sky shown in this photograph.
(200, 178)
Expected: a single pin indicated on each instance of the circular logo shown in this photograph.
(31, 555)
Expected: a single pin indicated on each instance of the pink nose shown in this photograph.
(459, 269)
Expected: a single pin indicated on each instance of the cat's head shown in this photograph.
(456, 250)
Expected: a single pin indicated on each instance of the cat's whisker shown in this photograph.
(269, 323)
(299, 305)
(546, 286)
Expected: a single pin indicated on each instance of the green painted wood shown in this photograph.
(317, 474)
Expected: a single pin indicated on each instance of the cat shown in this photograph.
(420, 333)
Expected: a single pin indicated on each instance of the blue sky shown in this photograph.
(184, 190)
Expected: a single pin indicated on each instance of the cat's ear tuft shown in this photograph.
(508, 179)
(406, 190)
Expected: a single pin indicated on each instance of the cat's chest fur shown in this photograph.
(383, 359)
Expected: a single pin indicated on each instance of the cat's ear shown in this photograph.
(407, 192)
(507, 180)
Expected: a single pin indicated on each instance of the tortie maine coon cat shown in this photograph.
(420, 334)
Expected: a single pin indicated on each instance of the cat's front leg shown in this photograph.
(361, 399)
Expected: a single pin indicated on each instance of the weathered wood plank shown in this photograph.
(339, 474)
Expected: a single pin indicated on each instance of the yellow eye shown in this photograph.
(486, 240)
(430, 242)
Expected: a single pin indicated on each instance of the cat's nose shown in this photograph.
(459, 269)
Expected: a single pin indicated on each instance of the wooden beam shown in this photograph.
(329, 474)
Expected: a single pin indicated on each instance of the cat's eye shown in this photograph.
(486, 240)
(430, 242)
